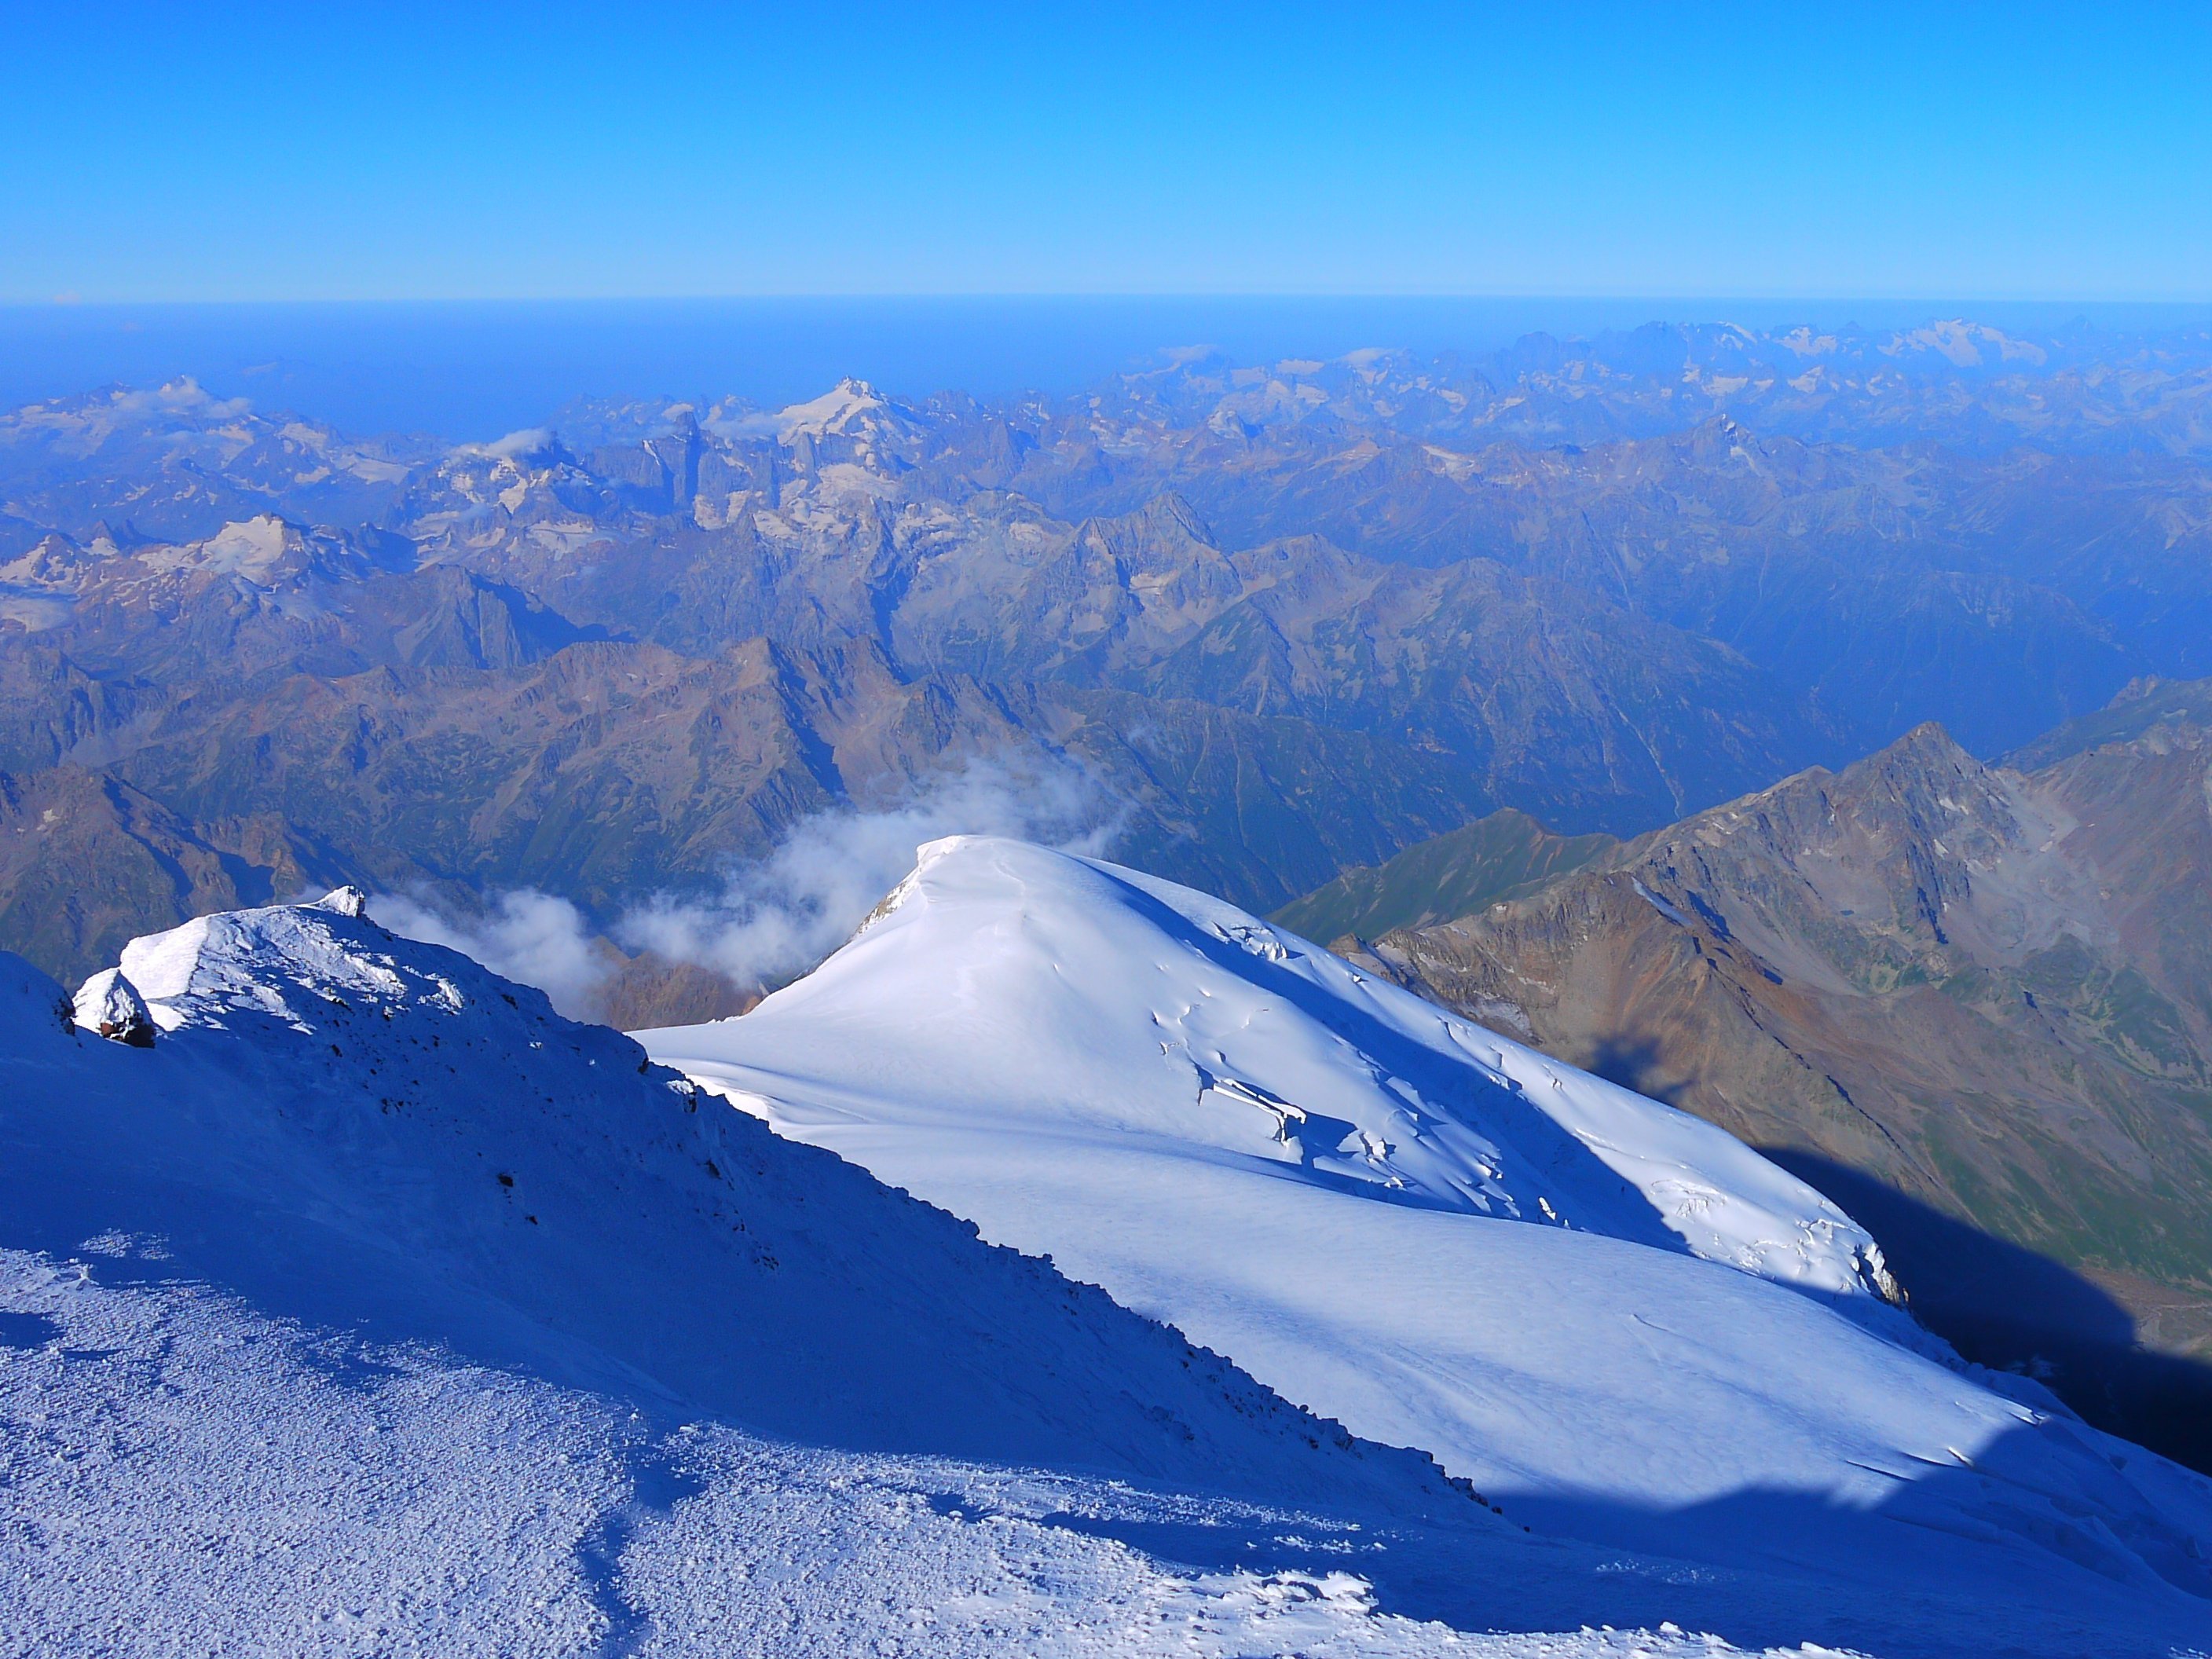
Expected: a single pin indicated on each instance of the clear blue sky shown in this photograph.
(317, 151)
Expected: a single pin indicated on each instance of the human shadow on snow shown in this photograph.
(1990, 1553)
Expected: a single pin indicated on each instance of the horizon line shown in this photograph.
(70, 302)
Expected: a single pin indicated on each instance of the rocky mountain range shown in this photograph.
(1972, 1002)
(1496, 661)
(1280, 621)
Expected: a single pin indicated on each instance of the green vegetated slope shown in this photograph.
(1499, 857)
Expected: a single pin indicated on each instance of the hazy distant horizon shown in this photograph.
(471, 369)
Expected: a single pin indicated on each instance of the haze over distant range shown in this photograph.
(1356, 603)
(469, 371)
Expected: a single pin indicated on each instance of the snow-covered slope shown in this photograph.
(425, 1118)
(353, 1302)
(1632, 1325)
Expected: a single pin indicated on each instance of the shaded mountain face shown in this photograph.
(1948, 993)
(1285, 620)
(1502, 856)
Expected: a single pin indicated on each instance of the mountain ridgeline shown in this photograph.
(1155, 1279)
(1971, 1002)
(1285, 620)
(361, 1303)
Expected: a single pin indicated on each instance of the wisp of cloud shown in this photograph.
(526, 935)
(776, 917)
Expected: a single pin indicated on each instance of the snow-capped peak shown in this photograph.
(461, 1261)
(852, 425)
(1565, 1291)
(1216, 1030)
(341, 1132)
(840, 410)
(347, 901)
(253, 549)
(289, 961)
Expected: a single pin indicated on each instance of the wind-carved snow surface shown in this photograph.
(375, 1309)
(1159, 1012)
(1618, 1321)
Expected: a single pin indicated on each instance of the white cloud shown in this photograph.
(515, 445)
(777, 917)
(527, 935)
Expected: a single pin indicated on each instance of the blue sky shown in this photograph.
(333, 152)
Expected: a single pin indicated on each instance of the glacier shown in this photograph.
(353, 1301)
(1614, 1319)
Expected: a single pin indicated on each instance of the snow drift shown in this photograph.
(424, 1121)
(352, 1300)
(355, 1307)
(1604, 1312)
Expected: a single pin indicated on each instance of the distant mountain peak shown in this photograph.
(839, 409)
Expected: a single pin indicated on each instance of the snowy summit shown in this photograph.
(353, 1301)
(1605, 1313)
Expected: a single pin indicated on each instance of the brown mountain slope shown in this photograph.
(1974, 1002)
(608, 770)
(542, 686)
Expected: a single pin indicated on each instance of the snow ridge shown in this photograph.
(1600, 1310)
(413, 1202)
(371, 1307)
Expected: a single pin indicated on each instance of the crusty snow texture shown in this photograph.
(375, 1309)
(183, 1476)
